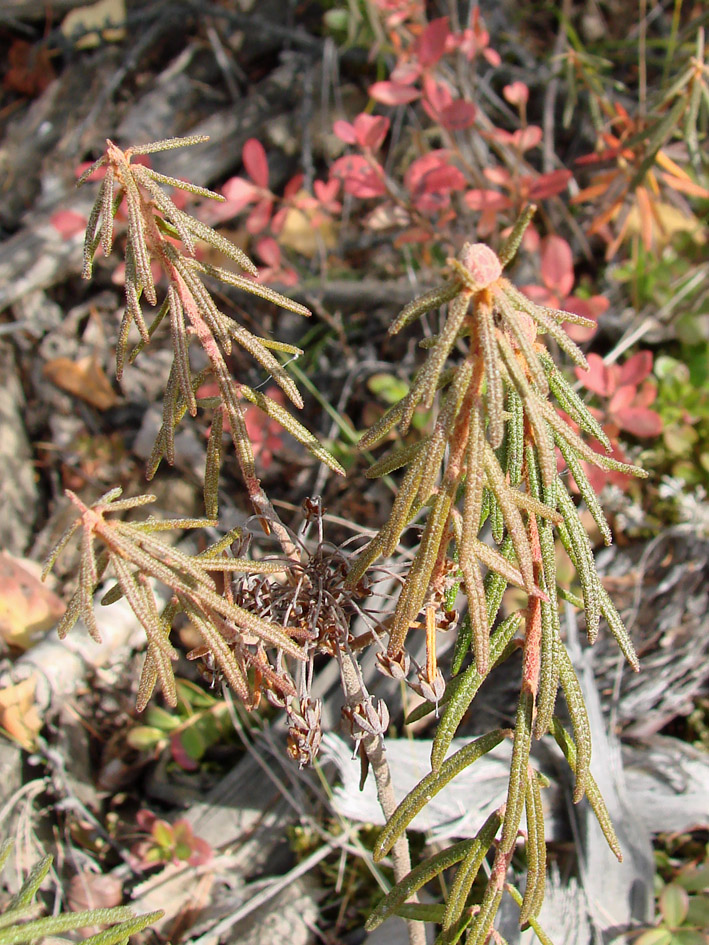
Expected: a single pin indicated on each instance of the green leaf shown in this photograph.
(655, 937)
(158, 718)
(698, 912)
(694, 879)
(144, 737)
(193, 742)
(673, 903)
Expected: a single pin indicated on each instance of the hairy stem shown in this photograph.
(373, 747)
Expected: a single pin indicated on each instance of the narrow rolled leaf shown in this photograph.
(417, 878)
(579, 722)
(536, 850)
(415, 588)
(571, 403)
(469, 868)
(466, 689)
(401, 456)
(417, 799)
(494, 398)
(213, 465)
(512, 518)
(538, 930)
(595, 799)
(517, 780)
(586, 489)
(618, 629)
(276, 412)
(514, 238)
(575, 540)
(423, 304)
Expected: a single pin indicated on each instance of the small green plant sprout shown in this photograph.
(168, 843)
(19, 922)
(492, 458)
(199, 721)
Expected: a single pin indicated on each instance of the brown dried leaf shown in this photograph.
(84, 378)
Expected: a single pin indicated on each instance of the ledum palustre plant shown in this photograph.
(20, 922)
(483, 484)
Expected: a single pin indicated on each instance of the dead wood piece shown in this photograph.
(18, 488)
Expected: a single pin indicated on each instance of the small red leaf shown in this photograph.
(548, 185)
(269, 251)
(68, 223)
(257, 220)
(557, 266)
(360, 177)
(516, 93)
(640, 421)
(393, 93)
(458, 115)
(527, 138)
(486, 200)
(600, 378)
(254, 159)
(239, 193)
(432, 42)
(637, 368)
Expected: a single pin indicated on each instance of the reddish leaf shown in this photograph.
(591, 308)
(636, 368)
(239, 193)
(406, 73)
(623, 398)
(458, 115)
(548, 185)
(436, 95)
(640, 421)
(516, 93)
(392, 93)
(432, 42)
(646, 395)
(541, 295)
(527, 138)
(557, 265)
(433, 174)
(368, 131)
(293, 186)
(146, 818)
(486, 200)
(497, 175)
(326, 194)
(359, 177)
(68, 223)
(254, 159)
(600, 378)
(269, 251)
(180, 756)
(345, 131)
(257, 220)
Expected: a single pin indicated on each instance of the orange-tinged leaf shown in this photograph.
(605, 217)
(685, 186)
(18, 712)
(667, 164)
(84, 378)
(28, 608)
(644, 208)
